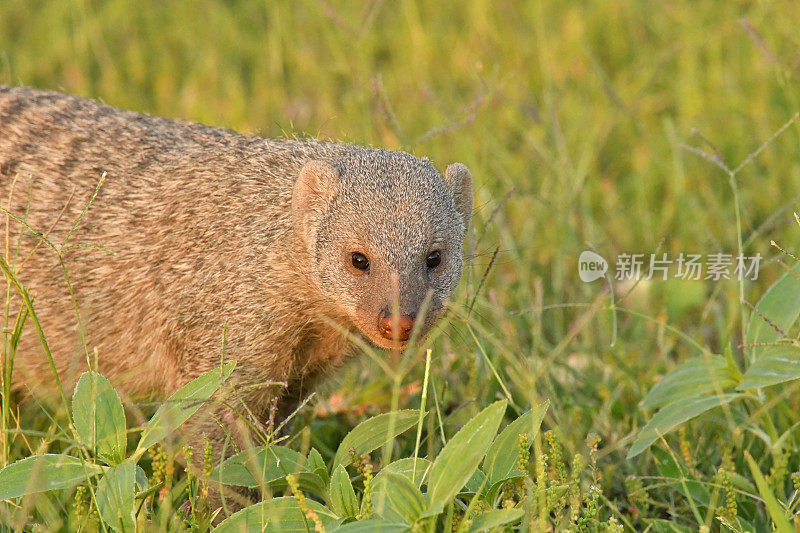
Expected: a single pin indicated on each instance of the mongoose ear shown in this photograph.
(316, 185)
(459, 181)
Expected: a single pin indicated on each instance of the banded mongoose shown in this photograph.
(294, 243)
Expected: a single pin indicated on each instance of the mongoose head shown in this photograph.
(384, 231)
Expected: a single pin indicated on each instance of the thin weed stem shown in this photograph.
(422, 404)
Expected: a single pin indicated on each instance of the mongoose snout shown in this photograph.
(290, 245)
(395, 328)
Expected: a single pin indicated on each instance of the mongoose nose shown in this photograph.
(386, 325)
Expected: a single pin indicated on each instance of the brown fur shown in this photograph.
(207, 226)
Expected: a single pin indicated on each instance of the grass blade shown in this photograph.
(774, 509)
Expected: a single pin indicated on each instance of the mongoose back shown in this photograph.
(295, 243)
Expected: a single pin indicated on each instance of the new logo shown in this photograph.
(591, 266)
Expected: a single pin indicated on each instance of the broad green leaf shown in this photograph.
(417, 473)
(316, 464)
(776, 364)
(264, 463)
(397, 499)
(268, 465)
(493, 490)
(279, 515)
(695, 377)
(461, 456)
(373, 526)
(373, 433)
(141, 479)
(501, 459)
(116, 496)
(40, 473)
(775, 510)
(182, 405)
(99, 417)
(308, 482)
(343, 498)
(491, 519)
(475, 482)
(781, 306)
(674, 414)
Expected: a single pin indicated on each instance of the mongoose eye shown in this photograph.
(360, 261)
(434, 258)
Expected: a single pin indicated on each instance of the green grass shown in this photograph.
(579, 121)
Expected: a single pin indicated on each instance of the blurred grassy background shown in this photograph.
(577, 109)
